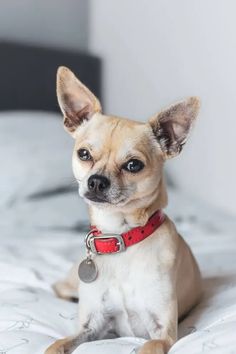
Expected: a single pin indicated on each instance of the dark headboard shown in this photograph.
(28, 75)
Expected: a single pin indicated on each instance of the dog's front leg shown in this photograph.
(162, 330)
(91, 330)
(69, 344)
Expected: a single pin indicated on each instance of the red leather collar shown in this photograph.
(100, 243)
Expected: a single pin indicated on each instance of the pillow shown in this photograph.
(35, 155)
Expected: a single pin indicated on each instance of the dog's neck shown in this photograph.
(110, 220)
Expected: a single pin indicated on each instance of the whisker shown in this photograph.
(78, 180)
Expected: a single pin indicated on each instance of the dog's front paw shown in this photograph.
(153, 347)
(63, 346)
(53, 350)
(57, 347)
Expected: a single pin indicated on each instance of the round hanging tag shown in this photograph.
(88, 271)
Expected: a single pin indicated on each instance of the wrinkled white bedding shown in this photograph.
(41, 236)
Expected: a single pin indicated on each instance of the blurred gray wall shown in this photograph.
(158, 51)
(57, 23)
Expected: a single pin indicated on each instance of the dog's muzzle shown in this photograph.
(98, 187)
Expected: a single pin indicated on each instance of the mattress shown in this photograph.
(42, 228)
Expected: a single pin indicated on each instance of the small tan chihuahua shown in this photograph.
(139, 276)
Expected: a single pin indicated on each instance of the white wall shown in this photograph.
(158, 51)
(57, 23)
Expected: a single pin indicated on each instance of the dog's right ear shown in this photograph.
(171, 126)
(77, 103)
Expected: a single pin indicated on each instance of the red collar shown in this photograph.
(99, 243)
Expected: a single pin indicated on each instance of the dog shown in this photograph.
(127, 287)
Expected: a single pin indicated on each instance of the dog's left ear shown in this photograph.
(171, 126)
(76, 101)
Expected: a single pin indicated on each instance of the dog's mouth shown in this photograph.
(96, 198)
(99, 199)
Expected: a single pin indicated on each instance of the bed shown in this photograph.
(42, 228)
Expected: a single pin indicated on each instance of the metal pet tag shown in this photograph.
(88, 271)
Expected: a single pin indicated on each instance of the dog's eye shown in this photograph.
(133, 166)
(84, 155)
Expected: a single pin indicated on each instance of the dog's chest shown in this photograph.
(128, 288)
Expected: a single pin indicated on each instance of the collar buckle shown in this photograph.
(90, 242)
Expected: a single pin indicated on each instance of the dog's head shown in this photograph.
(118, 162)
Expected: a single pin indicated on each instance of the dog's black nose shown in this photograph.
(98, 183)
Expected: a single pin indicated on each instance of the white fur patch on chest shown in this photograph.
(129, 286)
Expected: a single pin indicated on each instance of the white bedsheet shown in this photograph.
(33, 257)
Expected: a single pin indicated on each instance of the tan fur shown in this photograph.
(155, 347)
(68, 288)
(59, 347)
(131, 200)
